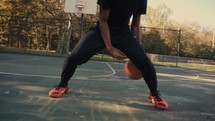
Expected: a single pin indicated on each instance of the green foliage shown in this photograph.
(37, 24)
(153, 43)
(43, 25)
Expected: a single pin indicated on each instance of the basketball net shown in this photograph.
(80, 6)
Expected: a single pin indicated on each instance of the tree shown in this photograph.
(28, 17)
(153, 43)
(157, 17)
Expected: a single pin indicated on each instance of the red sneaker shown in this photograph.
(158, 101)
(58, 91)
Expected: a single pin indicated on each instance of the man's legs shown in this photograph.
(83, 51)
(128, 44)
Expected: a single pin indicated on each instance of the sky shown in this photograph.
(201, 11)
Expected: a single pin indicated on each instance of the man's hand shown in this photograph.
(117, 53)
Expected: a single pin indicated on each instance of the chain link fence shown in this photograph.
(164, 45)
(57, 35)
(42, 34)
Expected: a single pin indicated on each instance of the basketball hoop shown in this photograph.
(81, 6)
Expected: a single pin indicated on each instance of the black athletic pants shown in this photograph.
(123, 40)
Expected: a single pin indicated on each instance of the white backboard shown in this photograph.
(81, 6)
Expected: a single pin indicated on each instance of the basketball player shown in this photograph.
(113, 33)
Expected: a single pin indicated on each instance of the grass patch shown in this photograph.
(104, 57)
(31, 51)
(203, 67)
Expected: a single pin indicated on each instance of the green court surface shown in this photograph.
(99, 92)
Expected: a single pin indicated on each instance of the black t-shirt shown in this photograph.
(122, 10)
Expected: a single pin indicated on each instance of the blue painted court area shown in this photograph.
(99, 92)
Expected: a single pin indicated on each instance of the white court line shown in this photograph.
(20, 60)
(186, 77)
(29, 75)
(182, 77)
(105, 79)
(113, 72)
(15, 60)
(108, 75)
(213, 75)
(190, 71)
(57, 77)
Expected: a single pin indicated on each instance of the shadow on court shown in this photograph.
(99, 92)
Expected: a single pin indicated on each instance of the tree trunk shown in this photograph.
(68, 38)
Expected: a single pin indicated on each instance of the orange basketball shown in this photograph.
(132, 71)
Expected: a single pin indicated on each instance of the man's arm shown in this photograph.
(105, 33)
(135, 25)
(104, 28)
